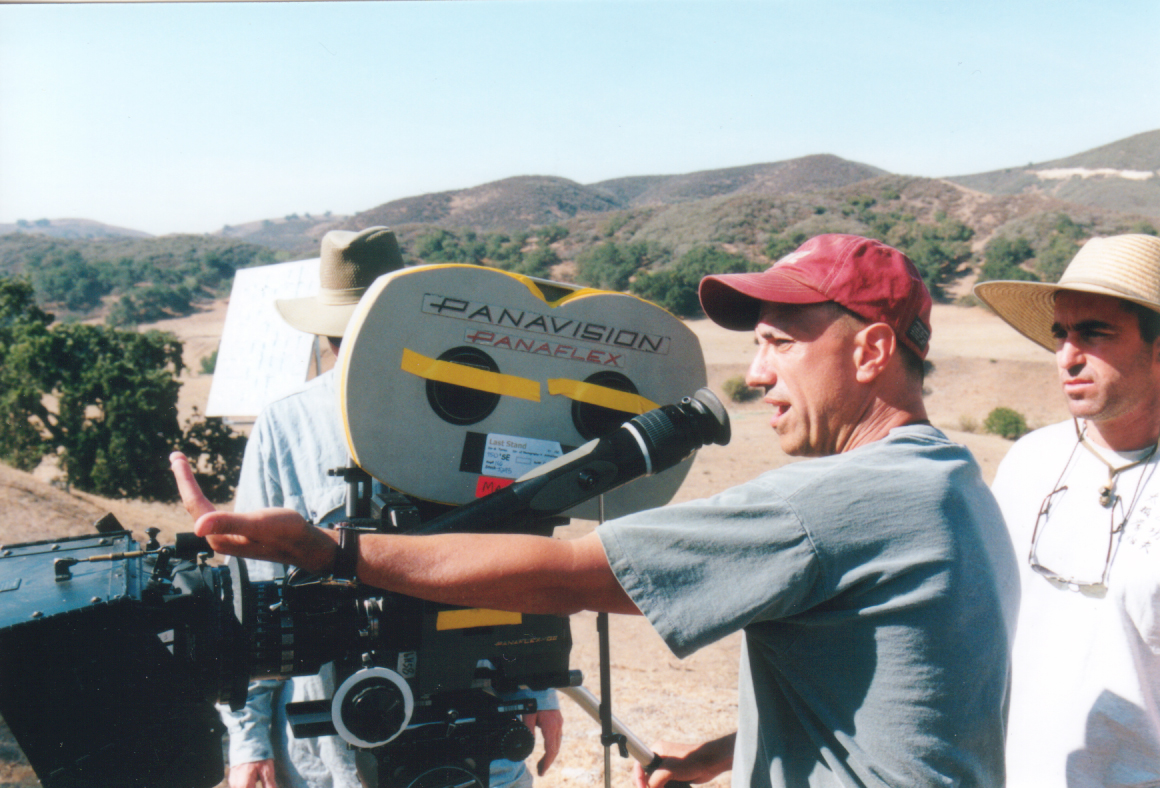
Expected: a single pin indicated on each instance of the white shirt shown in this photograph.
(1085, 706)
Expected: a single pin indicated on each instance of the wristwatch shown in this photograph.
(345, 565)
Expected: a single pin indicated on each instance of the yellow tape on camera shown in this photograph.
(602, 396)
(475, 617)
(469, 377)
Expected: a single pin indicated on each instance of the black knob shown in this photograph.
(374, 711)
(587, 479)
(516, 742)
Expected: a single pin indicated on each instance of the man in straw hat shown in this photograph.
(874, 582)
(1082, 502)
(295, 441)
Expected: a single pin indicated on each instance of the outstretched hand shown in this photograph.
(279, 535)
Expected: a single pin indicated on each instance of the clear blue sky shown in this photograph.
(185, 117)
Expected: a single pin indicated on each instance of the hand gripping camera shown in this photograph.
(503, 401)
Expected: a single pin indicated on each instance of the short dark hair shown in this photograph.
(1148, 320)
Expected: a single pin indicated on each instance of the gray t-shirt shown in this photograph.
(878, 592)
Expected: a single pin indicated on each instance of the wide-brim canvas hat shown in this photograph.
(874, 281)
(1121, 266)
(350, 262)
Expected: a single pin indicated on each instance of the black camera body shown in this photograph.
(110, 668)
(113, 653)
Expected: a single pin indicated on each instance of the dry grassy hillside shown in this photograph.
(979, 364)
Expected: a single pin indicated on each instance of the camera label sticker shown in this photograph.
(510, 457)
(486, 485)
(407, 664)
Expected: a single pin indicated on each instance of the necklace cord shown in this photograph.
(1106, 497)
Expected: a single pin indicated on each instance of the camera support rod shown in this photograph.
(639, 751)
(607, 736)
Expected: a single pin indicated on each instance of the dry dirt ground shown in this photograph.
(979, 364)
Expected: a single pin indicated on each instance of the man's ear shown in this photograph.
(874, 346)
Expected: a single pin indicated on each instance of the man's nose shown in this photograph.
(1069, 355)
(760, 374)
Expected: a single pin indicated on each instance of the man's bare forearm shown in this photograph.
(525, 574)
(529, 574)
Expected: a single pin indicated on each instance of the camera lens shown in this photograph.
(672, 432)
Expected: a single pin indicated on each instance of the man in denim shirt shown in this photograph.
(295, 441)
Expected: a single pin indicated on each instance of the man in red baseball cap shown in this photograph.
(875, 584)
(863, 291)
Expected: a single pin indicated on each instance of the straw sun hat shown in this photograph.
(1121, 266)
(350, 262)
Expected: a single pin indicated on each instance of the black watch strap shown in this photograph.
(346, 556)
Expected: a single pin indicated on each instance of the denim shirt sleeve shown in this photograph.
(250, 727)
(261, 485)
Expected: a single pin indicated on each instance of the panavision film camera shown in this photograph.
(505, 403)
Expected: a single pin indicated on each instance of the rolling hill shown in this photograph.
(1121, 176)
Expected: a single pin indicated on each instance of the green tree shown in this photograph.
(778, 246)
(675, 288)
(737, 390)
(102, 400)
(538, 262)
(611, 266)
(215, 453)
(938, 250)
(1055, 256)
(149, 304)
(552, 233)
(1002, 258)
(209, 363)
(21, 444)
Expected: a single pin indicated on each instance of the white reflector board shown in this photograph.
(261, 358)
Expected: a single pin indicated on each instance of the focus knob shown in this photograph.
(372, 707)
(516, 742)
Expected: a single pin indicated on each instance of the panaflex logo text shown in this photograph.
(543, 347)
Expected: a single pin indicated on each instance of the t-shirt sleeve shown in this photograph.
(702, 570)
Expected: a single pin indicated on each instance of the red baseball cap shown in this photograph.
(874, 281)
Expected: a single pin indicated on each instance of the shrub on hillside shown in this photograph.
(1006, 423)
(737, 391)
(1003, 257)
(675, 288)
(209, 363)
(611, 266)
